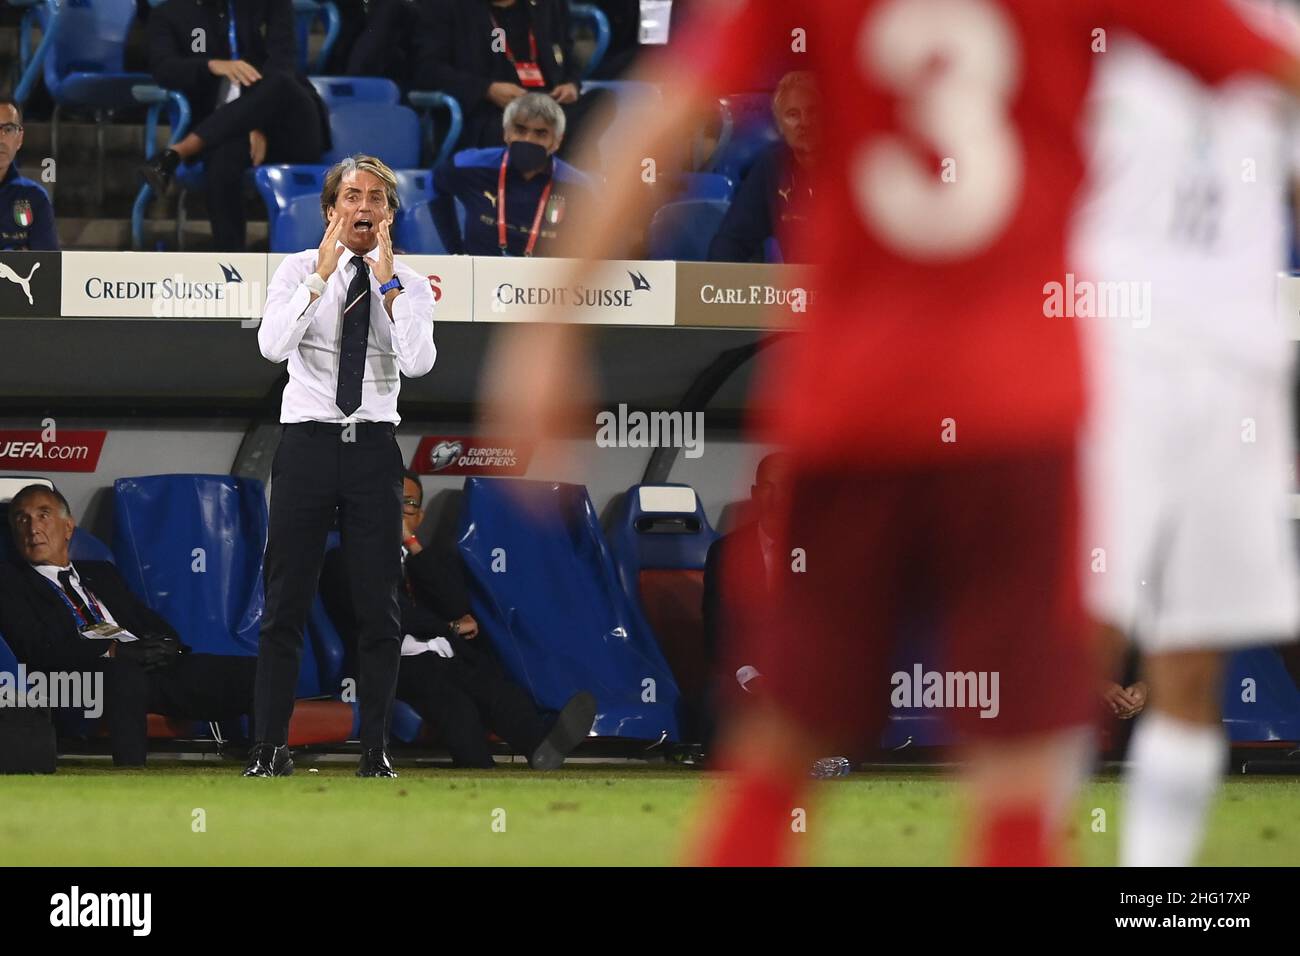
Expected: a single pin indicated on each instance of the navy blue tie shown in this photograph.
(352, 348)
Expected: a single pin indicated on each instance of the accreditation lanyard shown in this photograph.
(82, 623)
(530, 71)
(501, 208)
(234, 40)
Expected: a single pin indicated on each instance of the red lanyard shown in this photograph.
(82, 623)
(501, 208)
(532, 41)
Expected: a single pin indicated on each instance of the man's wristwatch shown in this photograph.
(315, 283)
(390, 285)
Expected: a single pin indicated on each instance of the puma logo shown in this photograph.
(785, 193)
(491, 197)
(7, 273)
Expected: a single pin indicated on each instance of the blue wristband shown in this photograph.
(393, 283)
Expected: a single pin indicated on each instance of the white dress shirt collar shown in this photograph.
(349, 255)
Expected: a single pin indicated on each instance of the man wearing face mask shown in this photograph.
(514, 195)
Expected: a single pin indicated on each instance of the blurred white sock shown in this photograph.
(1174, 771)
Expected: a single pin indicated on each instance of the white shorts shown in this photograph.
(1188, 477)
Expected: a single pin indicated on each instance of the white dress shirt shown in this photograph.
(309, 337)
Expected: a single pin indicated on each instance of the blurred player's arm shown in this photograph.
(538, 378)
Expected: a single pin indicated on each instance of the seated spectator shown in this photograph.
(778, 188)
(57, 616)
(524, 179)
(460, 51)
(384, 44)
(449, 672)
(26, 216)
(250, 103)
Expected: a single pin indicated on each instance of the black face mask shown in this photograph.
(527, 157)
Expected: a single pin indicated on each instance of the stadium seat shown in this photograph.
(191, 547)
(1271, 708)
(426, 101)
(413, 229)
(594, 17)
(659, 540)
(305, 12)
(341, 90)
(386, 130)
(632, 98)
(683, 230)
(547, 591)
(705, 186)
(280, 187)
(747, 129)
(80, 58)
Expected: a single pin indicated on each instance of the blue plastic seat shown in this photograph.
(305, 12)
(683, 230)
(292, 198)
(342, 90)
(80, 58)
(386, 130)
(705, 186)
(748, 128)
(413, 229)
(557, 616)
(660, 540)
(595, 18)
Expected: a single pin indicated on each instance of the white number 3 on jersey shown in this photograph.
(960, 112)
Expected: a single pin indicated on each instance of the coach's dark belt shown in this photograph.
(361, 429)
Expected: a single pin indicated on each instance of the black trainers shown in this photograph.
(570, 727)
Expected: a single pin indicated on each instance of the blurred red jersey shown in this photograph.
(945, 184)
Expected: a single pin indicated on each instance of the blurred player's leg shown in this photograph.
(1177, 756)
(1005, 563)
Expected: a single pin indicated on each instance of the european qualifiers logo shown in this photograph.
(470, 455)
(29, 284)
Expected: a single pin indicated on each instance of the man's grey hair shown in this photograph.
(536, 106)
(30, 491)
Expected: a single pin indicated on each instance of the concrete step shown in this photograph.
(113, 234)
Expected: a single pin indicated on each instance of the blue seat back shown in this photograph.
(706, 186)
(342, 90)
(1270, 709)
(299, 226)
(191, 546)
(546, 590)
(748, 128)
(91, 38)
(413, 229)
(683, 230)
(386, 130)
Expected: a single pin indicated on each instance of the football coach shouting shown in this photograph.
(350, 321)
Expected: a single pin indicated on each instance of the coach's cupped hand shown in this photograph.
(327, 256)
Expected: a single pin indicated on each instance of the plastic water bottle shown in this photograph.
(831, 767)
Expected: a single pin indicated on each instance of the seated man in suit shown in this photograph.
(449, 672)
(57, 616)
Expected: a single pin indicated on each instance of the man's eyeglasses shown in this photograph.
(411, 505)
(10, 129)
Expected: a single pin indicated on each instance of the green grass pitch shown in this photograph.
(88, 814)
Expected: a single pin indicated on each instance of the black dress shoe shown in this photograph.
(569, 729)
(269, 760)
(374, 763)
(160, 171)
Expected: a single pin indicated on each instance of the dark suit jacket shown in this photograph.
(437, 597)
(264, 30)
(42, 632)
(734, 578)
(453, 53)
